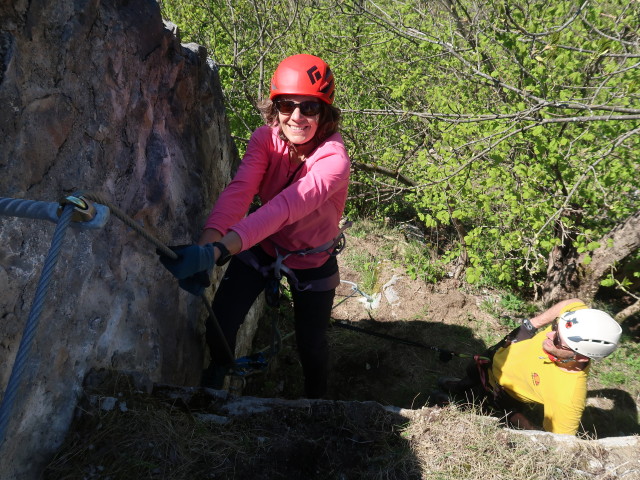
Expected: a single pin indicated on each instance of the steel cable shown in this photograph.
(97, 197)
(29, 332)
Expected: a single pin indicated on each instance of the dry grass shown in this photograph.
(170, 435)
(452, 444)
(149, 439)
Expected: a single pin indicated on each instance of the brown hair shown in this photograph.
(328, 121)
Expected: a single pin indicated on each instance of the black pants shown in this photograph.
(239, 288)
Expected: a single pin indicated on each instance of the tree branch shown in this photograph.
(385, 171)
(453, 118)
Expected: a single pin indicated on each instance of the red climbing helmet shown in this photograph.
(303, 75)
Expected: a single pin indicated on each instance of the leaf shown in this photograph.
(591, 246)
(443, 216)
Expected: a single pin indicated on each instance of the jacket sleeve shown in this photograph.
(234, 201)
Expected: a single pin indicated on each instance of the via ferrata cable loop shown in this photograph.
(83, 211)
(86, 216)
(29, 331)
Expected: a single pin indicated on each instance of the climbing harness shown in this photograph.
(273, 272)
(277, 268)
(444, 355)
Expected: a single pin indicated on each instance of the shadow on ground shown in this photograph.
(365, 367)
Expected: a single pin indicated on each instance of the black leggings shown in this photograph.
(239, 288)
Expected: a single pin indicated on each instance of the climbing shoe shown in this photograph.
(439, 399)
(449, 384)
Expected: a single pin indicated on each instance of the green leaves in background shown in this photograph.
(505, 128)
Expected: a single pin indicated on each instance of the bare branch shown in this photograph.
(546, 33)
(385, 171)
(632, 309)
(634, 114)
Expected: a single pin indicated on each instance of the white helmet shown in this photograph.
(589, 332)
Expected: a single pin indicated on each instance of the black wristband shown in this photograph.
(225, 256)
(526, 323)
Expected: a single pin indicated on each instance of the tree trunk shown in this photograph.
(627, 312)
(567, 274)
(563, 274)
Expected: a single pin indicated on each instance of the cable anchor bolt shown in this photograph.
(83, 211)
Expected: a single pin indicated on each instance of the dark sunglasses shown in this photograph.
(556, 338)
(309, 108)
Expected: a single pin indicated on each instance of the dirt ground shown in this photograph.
(365, 366)
(447, 316)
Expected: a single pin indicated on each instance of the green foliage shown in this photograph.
(509, 308)
(622, 367)
(367, 266)
(613, 378)
(513, 125)
(420, 266)
(516, 306)
(628, 354)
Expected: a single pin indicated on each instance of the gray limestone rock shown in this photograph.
(101, 96)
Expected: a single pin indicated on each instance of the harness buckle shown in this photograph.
(339, 245)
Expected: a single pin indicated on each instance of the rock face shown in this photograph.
(100, 96)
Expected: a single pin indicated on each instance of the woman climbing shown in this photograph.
(298, 166)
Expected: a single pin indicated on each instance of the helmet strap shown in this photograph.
(555, 359)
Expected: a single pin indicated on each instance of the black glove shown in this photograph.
(191, 260)
(196, 284)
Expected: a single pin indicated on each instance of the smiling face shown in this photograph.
(298, 128)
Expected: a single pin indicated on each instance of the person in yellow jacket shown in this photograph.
(546, 361)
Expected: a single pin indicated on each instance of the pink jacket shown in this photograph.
(303, 215)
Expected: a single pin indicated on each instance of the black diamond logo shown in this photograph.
(314, 75)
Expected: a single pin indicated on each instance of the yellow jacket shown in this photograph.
(526, 373)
